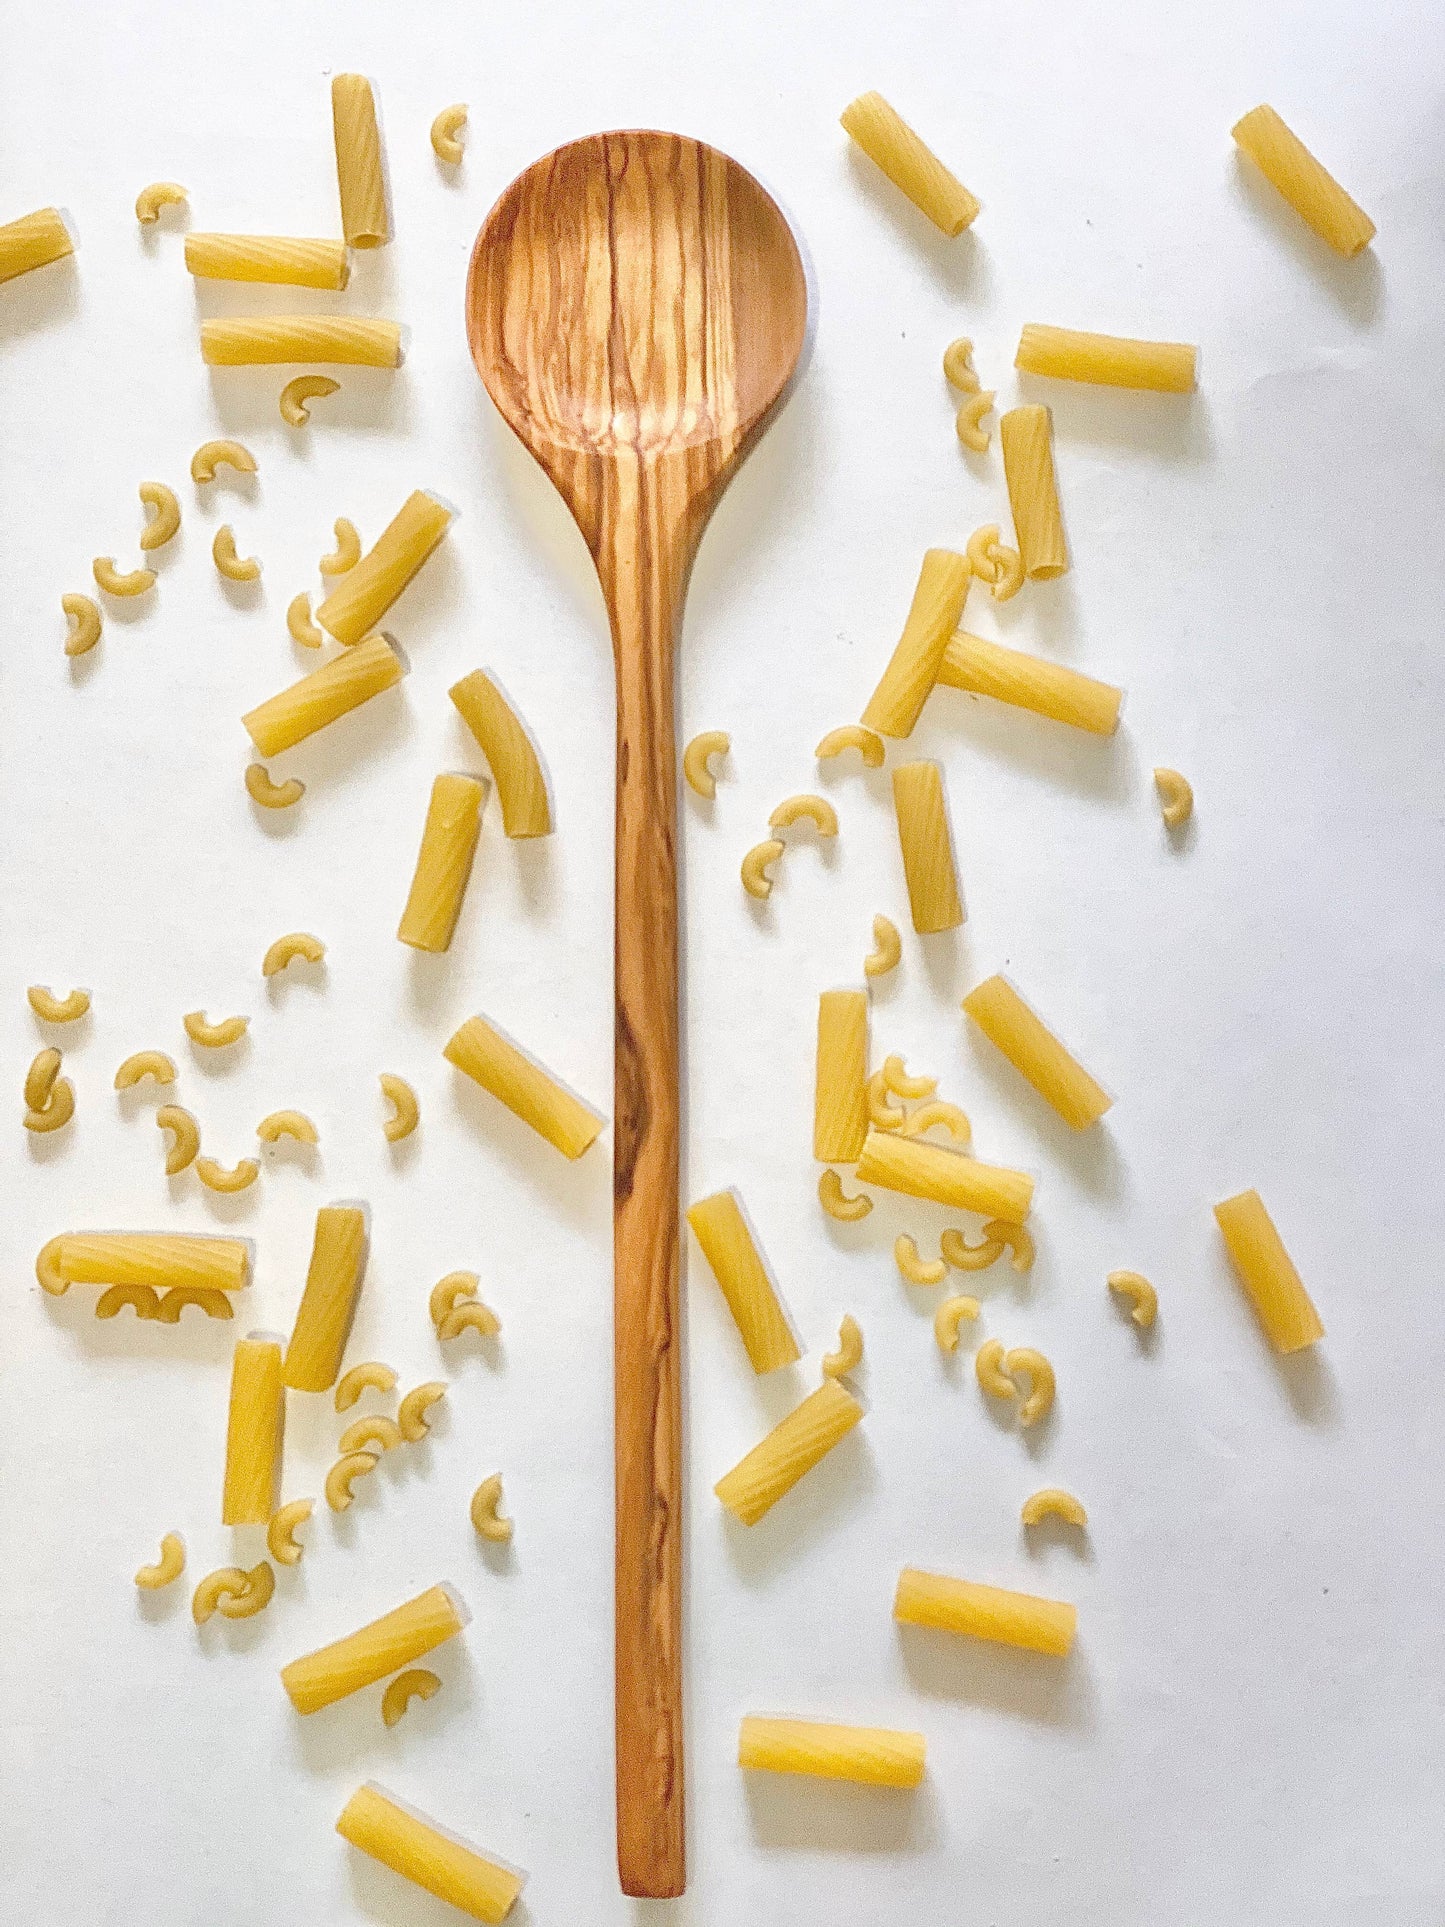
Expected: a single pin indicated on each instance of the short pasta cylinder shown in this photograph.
(428, 1856)
(937, 606)
(984, 1612)
(385, 1646)
(1026, 435)
(840, 1088)
(490, 1059)
(510, 752)
(1314, 194)
(160, 1259)
(1031, 682)
(266, 341)
(366, 592)
(727, 1243)
(871, 1755)
(1281, 1303)
(923, 1170)
(328, 693)
(912, 166)
(927, 847)
(255, 1431)
(1036, 1054)
(793, 1447)
(34, 241)
(359, 173)
(275, 258)
(1112, 361)
(328, 1304)
(443, 863)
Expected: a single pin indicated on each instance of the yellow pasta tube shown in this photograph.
(840, 1088)
(1026, 435)
(1315, 195)
(384, 1647)
(444, 862)
(84, 611)
(34, 241)
(255, 1431)
(927, 846)
(246, 343)
(365, 593)
(482, 1053)
(444, 131)
(728, 1245)
(1036, 1054)
(1266, 1271)
(328, 693)
(923, 1170)
(293, 263)
(984, 1612)
(167, 518)
(1031, 682)
(1112, 361)
(516, 768)
(912, 670)
(328, 1304)
(156, 1258)
(429, 1857)
(871, 1755)
(359, 174)
(298, 392)
(793, 1447)
(912, 166)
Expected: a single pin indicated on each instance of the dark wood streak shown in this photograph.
(635, 307)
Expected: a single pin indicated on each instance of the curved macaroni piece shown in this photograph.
(883, 1115)
(488, 1522)
(404, 1109)
(471, 1315)
(818, 810)
(347, 552)
(167, 518)
(85, 613)
(963, 1256)
(1133, 1286)
(867, 742)
(1040, 1374)
(58, 1111)
(287, 1124)
(299, 624)
(224, 1582)
(370, 1377)
(958, 368)
(918, 1271)
(150, 200)
(57, 1010)
(169, 1567)
(40, 1078)
(980, 549)
(988, 1365)
(221, 454)
(344, 1474)
(214, 1303)
(897, 1080)
(700, 779)
(756, 880)
(887, 949)
(1053, 1503)
(912, 166)
(448, 1292)
(114, 583)
(377, 1430)
(216, 1177)
(260, 1584)
(145, 1063)
(949, 1316)
(1010, 566)
(1019, 1241)
(230, 1030)
(281, 1540)
(418, 1683)
(936, 1112)
(185, 1142)
(1176, 798)
(141, 1298)
(411, 1414)
(298, 392)
(235, 568)
(836, 1202)
(969, 421)
(287, 949)
(445, 145)
(849, 1355)
(272, 796)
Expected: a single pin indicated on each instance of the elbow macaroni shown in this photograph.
(376, 1432)
(755, 866)
(230, 1030)
(867, 742)
(418, 1682)
(150, 200)
(109, 578)
(347, 552)
(473, 1315)
(221, 454)
(167, 518)
(235, 568)
(448, 1293)
(1053, 1503)
(272, 796)
(819, 812)
(206, 1298)
(1040, 1375)
(405, 1111)
(968, 423)
(411, 1414)
(935, 1114)
(285, 950)
(142, 1300)
(51, 1009)
(887, 949)
(917, 1270)
(1137, 1290)
(849, 1355)
(963, 1256)
(699, 778)
(85, 614)
(344, 1474)
(299, 624)
(444, 131)
(40, 1078)
(145, 1063)
(837, 1203)
(216, 1177)
(949, 1316)
(185, 1139)
(281, 1540)
(1176, 798)
(168, 1568)
(370, 1377)
(292, 1124)
(301, 390)
(486, 1520)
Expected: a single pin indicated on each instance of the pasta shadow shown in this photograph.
(1101, 769)
(1132, 421)
(43, 299)
(959, 261)
(1091, 1155)
(795, 1811)
(1357, 283)
(802, 1517)
(1006, 1679)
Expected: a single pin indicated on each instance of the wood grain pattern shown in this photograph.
(636, 306)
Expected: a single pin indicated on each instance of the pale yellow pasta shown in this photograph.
(185, 1137)
(937, 606)
(927, 847)
(867, 742)
(145, 1063)
(328, 693)
(301, 390)
(840, 1085)
(370, 1377)
(963, 1256)
(887, 949)
(958, 368)
(1053, 1503)
(158, 1258)
(1018, 1240)
(51, 1009)
(489, 1058)
(344, 1474)
(923, 1170)
(869, 1755)
(448, 1293)
(116, 583)
(405, 1111)
(792, 1448)
(285, 950)
(472, 1315)
(897, 1080)
(1009, 572)
(1036, 1054)
(411, 1414)
(58, 1111)
(938, 1115)
(988, 1365)
(882, 1115)
(167, 518)
(299, 625)
(282, 259)
(365, 593)
(444, 131)
(699, 778)
(436, 1860)
(235, 568)
(1176, 798)
(281, 1540)
(376, 1651)
(486, 1520)
(347, 552)
(1115, 361)
(168, 1568)
(141, 1299)
(444, 862)
(984, 1612)
(837, 1203)
(979, 550)
(1314, 194)
(255, 1432)
(221, 454)
(40, 1078)
(417, 1683)
(292, 1124)
(225, 1582)
(755, 866)
(914, 169)
(1026, 435)
(215, 1304)
(1265, 1269)
(328, 1304)
(1134, 1287)
(727, 1243)
(849, 1355)
(917, 1270)
(34, 241)
(1039, 1399)
(150, 200)
(218, 1036)
(968, 422)
(260, 1585)
(345, 339)
(376, 1432)
(948, 1318)
(511, 754)
(359, 171)
(1031, 682)
(817, 809)
(272, 796)
(85, 613)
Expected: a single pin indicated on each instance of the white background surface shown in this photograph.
(1250, 1728)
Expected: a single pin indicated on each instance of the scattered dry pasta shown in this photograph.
(167, 518)
(988, 1364)
(344, 1474)
(34, 241)
(150, 200)
(365, 593)
(411, 1414)
(235, 568)
(142, 1300)
(793, 1447)
(40, 1078)
(404, 1108)
(914, 169)
(700, 779)
(1027, 437)
(334, 1279)
(840, 1082)
(984, 1612)
(1314, 194)
(819, 812)
(1071, 354)
(216, 1177)
(1267, 1272)
(299, 625)
(292, 1124)
(370, 1377)
(255, 1432)
(360, 174)
(869, 1755)
(949, 1316)
(282, 260)
(1134, 1287)
(281, 1540)
(882, 1115)
(837, 1203)
(1047, 688)
(917, 1270)
(968, 422)
(168, 1568)
(85, 613)
(287, 949)
(301, 390)
(897, 1080)
(417, 1683)
(375, 1432)
(159, 1258)
(1176, 798)
(755, 866)
(351, 340)
(935, 612)
(727, 1242)
(486, 1519)
(260, 1585)
(347, 1665)
(449, 1292)
(926, 844)
(444, 862)
(472, 1315)
(1040, 1375)
(867, 742)
(272, 796)
(1036, 1054)
(849, 1355)
(347, 552)
(491, 1059)
(1019, 1241)
(444, 131)
(958, 368)
(437, 1860)
(887, 949)
(185, 1137)
(206, 1298)
(938, 1114)
(963, 1256)
(328, 693)
(1053, 1503)
(980, 552)
(225, 1582)
(221, 454)
(923, 1170)
(145, 1063)
(230, 1030)
(51, 1009)
(114, 583)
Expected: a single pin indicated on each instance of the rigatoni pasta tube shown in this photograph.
(1111, 361)
(793, 1447)
(912, 670)
(328, 693)
(927, 846)
(1031, 682)
(1035, 1053)
(160, 1259)
(912, 166)
(727, 1244)
(514, 1079)
(246, 343)
(923, 1170)
(328, 1304)
(515, 765)
(366, 592)
(871, 1755)
(277, 258)
(34, 241)
(385, 1646)
(443, 863)
(1026, 436)
(429, 1857)
(1314, 194)
(1281, 1303)
(984, 1612)
(359, 175)
(255, 1429)
(840, 1088)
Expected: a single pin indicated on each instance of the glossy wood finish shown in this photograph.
(636, 306)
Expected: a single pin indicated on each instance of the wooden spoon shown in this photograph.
(636, 306)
